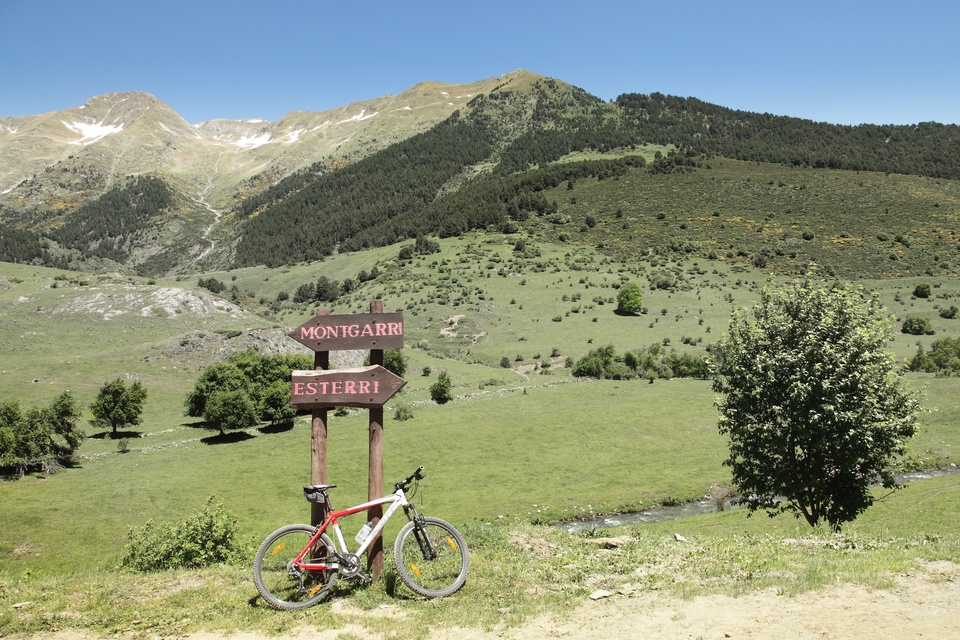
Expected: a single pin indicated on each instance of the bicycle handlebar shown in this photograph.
(416, 475)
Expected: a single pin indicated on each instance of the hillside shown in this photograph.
(495, 155)
(52, 164)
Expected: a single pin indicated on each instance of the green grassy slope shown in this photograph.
(523, 442)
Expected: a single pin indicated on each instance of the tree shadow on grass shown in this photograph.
(279, 427)
(199, 424)
(104, 435)
(227, 438)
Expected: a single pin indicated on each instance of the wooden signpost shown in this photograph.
(369, 387)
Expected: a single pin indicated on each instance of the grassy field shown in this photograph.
(522, 444)
(724, 553)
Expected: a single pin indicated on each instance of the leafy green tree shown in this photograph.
(222, 376)
(246, 371)
(395, 361)
(305, 293)
(630, 298)
(275, 405)
(327, 290)
(118, 405)
(230, 410)
(812, 403)
(922, 290)
(41, 436)
(441, 390)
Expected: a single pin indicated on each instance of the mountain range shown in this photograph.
(125, 183)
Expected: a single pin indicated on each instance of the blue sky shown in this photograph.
(843, 62)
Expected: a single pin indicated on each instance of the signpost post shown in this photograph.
(369, 387)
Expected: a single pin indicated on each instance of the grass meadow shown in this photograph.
(520, 445)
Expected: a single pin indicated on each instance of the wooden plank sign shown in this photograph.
(362, 387)
(354, 331)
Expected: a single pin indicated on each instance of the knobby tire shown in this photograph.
(432, 577)
(282, 585)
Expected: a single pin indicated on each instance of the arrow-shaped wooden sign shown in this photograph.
(354, 331)
(362, 387)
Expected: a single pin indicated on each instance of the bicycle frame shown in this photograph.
(398, 500)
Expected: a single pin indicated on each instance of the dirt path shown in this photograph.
(925, 604)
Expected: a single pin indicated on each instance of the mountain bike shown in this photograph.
(298, 565)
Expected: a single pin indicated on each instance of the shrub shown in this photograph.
(206, 538)
(943, 358)
(917, 326)
(949, 313)
(922, 290)
(403, 412)
(602, 363)
(440, 391)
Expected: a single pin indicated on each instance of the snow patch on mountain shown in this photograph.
(90, 133)
(252, 142)
(360, 117)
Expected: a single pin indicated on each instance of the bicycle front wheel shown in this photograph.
(431, 557)
(284, 585)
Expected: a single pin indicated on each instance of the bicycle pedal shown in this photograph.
(366, 579)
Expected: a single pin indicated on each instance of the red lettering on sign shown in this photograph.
(395, 328)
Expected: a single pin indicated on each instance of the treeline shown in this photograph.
(494, 202)
(926, 149)
(105, 226)
(337, 207)
(562, 120)
(24, 247)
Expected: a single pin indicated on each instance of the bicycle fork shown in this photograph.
(420, 533)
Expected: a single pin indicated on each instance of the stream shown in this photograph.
(700, 507)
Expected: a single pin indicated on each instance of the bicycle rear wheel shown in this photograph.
(285, 586)
(435, 574)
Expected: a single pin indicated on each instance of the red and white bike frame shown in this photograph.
(396, 500)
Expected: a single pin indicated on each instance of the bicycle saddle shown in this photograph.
(318, 487)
